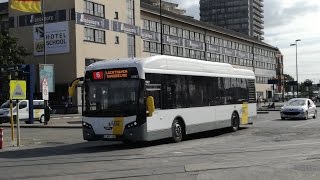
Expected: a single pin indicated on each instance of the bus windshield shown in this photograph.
(111, 98)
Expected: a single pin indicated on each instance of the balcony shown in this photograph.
(258, 19)
(258, 31)
(259, 25)
(258, 7)
(259, 14)
(259, 2)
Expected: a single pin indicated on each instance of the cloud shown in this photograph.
(275, 15)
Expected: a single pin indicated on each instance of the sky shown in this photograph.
(286, 21)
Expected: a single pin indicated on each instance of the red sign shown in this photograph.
(98, 75)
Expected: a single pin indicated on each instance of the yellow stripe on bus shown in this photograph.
(245, 118)
(118, 126)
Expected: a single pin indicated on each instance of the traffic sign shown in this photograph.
(18, 89)
(45, 89)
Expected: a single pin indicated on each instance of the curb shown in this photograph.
(47, 126)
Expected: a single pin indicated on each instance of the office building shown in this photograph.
(81, 32)
(244, 16)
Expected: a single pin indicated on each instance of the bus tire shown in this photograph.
(235, 122)
(41, 119)
(178, 130)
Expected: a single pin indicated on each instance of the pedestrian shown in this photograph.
(66, 104)
(259, 102)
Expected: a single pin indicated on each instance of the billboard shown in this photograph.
(46, 71)
(57, 38)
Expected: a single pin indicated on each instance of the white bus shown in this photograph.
(164, 97)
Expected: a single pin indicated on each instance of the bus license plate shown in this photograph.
(109, 136)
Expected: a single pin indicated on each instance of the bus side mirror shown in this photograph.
(150, 105)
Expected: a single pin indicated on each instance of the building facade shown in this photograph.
(244, 16)
(80, 32)
(4, 18)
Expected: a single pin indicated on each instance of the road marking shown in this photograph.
(304, 124)
(56, 118)
(67, 117)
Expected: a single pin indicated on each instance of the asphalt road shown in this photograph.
(269, 149)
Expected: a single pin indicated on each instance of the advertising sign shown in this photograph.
(46, 71)
(57, 38)
(93, 21)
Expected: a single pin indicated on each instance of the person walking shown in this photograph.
(259, 102)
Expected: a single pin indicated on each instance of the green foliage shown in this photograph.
(306, 88)
(287, 78)
(10, 52)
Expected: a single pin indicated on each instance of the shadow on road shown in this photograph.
(99, 146)
(284, 120)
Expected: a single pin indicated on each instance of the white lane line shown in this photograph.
(305, 123)
(67, 117)
(56, 118)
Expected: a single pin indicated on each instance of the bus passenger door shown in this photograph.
(154, 90)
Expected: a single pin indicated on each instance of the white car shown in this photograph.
(300, 108)
(38, 112)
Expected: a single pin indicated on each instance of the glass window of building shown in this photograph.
(180, 51)
(146, 46)
(166, 29)
(146, 24)
(89, 34)
(130, 11)
(173, 31)
(99, 10)
(99, 36)
(131, 46)
(180, 34)
(153, 47)
(153, 26)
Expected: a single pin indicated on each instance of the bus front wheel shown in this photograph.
(177, 131)
(235, 122)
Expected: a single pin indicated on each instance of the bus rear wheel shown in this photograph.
(235, 122)
(177, 131)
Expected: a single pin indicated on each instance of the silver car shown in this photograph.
(301, 108)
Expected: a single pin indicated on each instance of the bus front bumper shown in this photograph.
(137, 133)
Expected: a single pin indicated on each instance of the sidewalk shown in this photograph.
(56, 121)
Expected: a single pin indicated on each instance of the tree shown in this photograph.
(306, 88)
(287, 78)
(10, 52)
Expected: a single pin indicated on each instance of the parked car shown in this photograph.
(38, 112)
(301, 108)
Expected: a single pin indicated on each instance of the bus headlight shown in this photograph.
(86, 125)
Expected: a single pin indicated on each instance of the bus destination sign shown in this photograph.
(117, 74)
(110, 74)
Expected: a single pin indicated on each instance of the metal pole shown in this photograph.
(297, 68)
(18, 123)
(161, 28)
(11, 114)
(44, 33)
(44, 58)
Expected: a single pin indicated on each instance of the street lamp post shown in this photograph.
(161, 28)
(296, 44)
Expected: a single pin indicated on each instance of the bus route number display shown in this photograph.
(117, 74)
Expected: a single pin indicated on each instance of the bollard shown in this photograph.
(1, 138)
